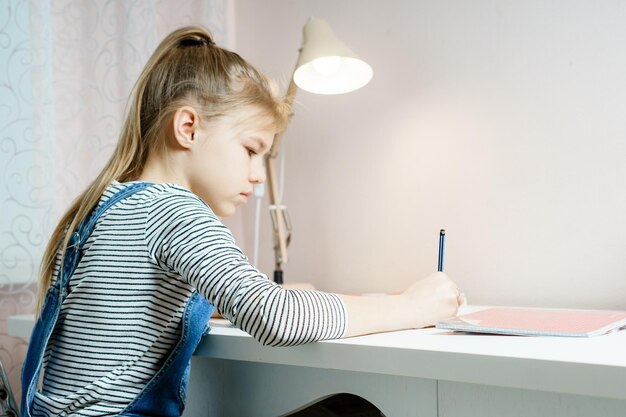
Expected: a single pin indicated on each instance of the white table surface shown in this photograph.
(593, 366)
(584, 366)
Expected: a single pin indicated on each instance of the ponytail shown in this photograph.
(187, 67)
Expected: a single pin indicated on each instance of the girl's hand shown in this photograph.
(432, 299)
(426, 302)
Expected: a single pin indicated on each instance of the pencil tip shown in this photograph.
(442, 232)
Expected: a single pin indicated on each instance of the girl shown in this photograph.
(136, 266)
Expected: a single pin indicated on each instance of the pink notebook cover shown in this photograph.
(537, 322)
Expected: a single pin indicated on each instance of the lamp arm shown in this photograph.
(278, 212)
(281, 232)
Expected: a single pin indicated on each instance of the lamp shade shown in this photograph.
(326, 65)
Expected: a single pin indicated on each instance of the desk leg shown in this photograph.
(221, 388)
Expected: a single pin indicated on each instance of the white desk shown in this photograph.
(425, 372)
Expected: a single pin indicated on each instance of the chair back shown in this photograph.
(8, 408)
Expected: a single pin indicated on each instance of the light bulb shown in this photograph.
(327, 65)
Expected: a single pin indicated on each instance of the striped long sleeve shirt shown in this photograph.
(121, 318)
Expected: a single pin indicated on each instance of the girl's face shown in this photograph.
(228, 158)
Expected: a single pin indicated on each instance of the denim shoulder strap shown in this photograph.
(54, 298)
(85, 228)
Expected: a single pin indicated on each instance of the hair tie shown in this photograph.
(187, 42)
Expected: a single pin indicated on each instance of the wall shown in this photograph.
(500, 121)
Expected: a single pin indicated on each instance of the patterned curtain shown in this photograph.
(66, 70)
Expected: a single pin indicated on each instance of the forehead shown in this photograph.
(251, 121)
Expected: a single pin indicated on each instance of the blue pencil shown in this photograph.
(442, 236)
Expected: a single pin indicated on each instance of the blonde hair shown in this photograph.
(186, 68)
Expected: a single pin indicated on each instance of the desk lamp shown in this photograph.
(325, 66)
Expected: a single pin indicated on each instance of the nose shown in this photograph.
(257, 172)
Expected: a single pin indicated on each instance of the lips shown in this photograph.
(245, 196)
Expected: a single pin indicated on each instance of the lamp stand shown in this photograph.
(338, 71)
(278, 212)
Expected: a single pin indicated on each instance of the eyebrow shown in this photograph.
(260, 142)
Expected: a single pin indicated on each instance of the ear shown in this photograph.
(186, 124)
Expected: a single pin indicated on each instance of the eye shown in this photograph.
(251, 152)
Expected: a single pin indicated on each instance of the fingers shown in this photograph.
(448, 287)
(462, 300)
(460, 297)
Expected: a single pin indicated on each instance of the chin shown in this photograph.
(224, 211)
(221, 209)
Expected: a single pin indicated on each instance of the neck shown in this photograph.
(161, 170)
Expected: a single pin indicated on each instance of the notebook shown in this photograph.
(537, 322)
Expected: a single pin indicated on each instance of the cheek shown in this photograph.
(225, 164)
(239, 162)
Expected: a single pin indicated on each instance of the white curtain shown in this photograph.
(66, 70)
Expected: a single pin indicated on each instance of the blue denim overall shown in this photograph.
(164, 394)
